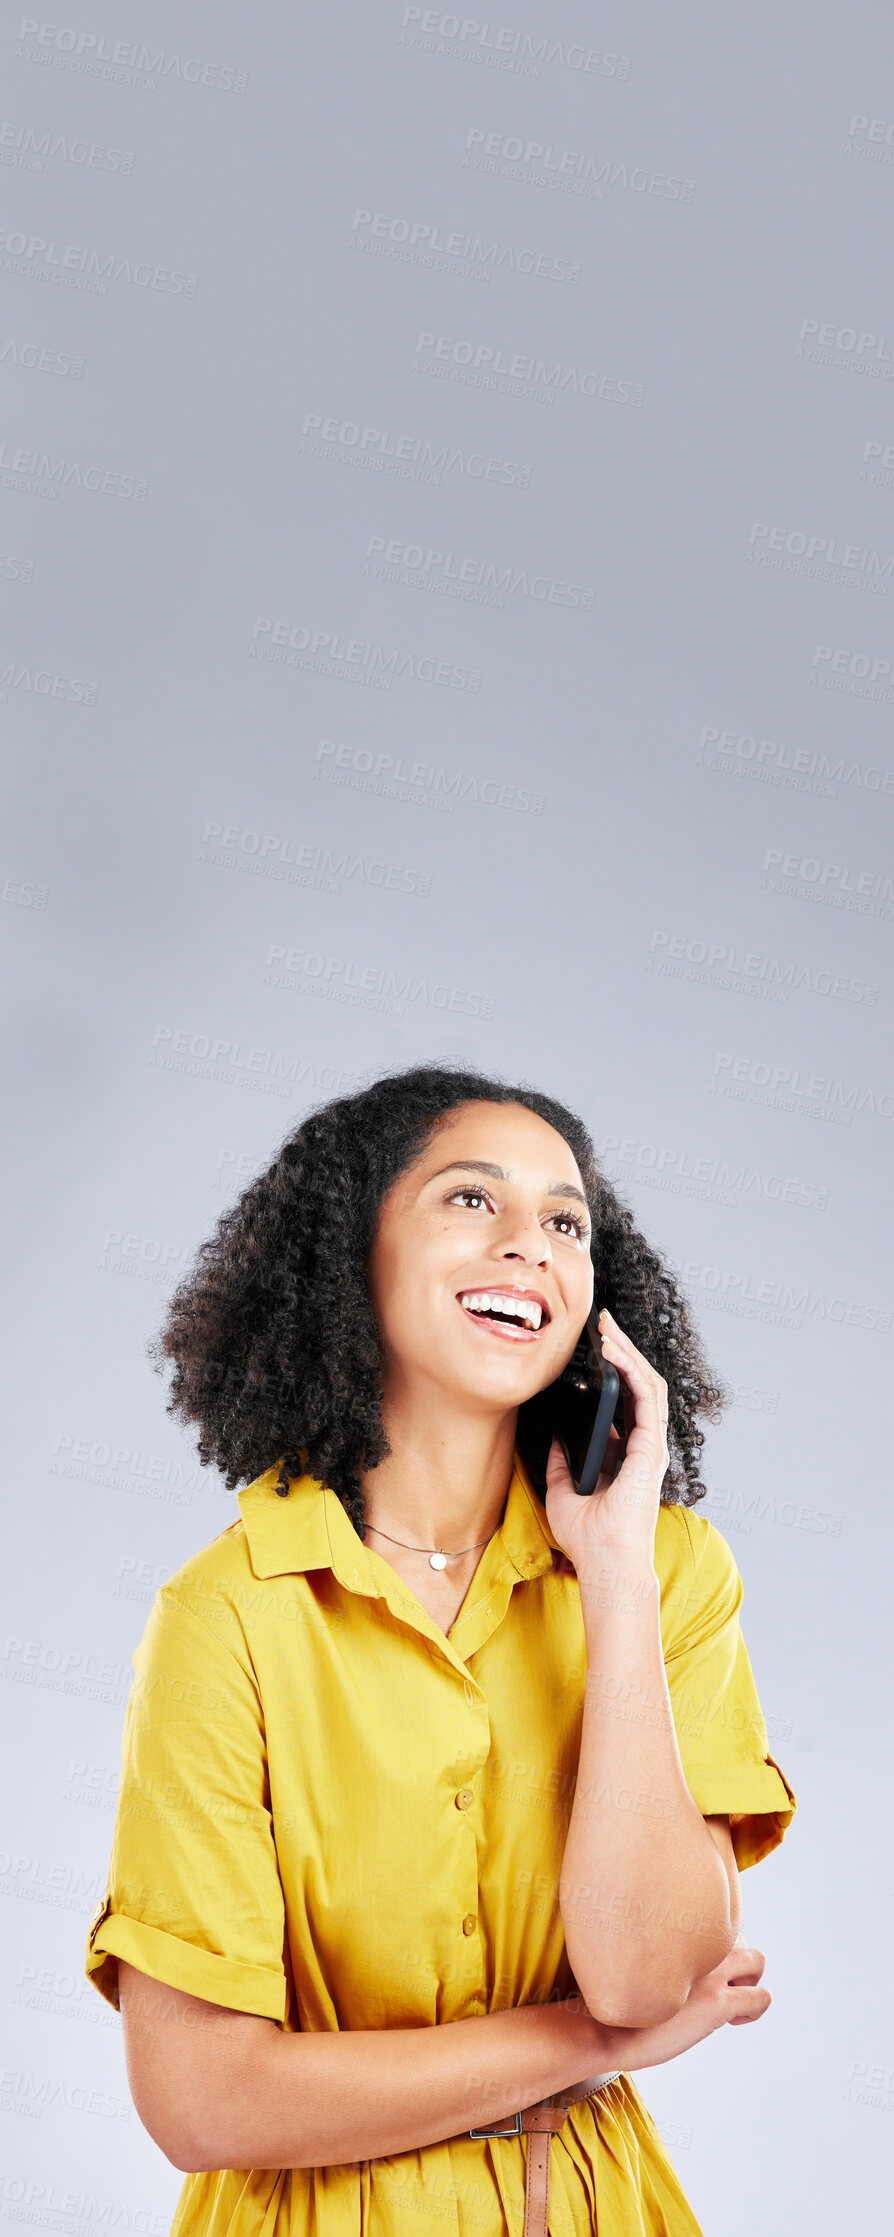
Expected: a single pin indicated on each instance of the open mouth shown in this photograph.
(519, 1315)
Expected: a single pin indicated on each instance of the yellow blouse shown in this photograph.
(337, 1815)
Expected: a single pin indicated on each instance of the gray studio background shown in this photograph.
(447, 610)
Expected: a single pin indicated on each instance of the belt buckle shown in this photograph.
(515, 2130)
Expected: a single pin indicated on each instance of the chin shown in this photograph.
(511, 1385)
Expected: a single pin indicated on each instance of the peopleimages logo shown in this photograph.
(413, 457)
(860, 674)
(870, 138)
(422, 567)
(793, 551)
(37, 357)
(785, 1087)
(124, 60)
(273, 855)
(741, 753)
(143, 1258)
(836, 884)
(469, 40)
(72, 266)
(736, 1511)
(717, 1179)
(852, 350)
(877, 464)
(869, 2086)
(35, 474)
(421, 783)
(22, 894)
(488, 365)
(726, 1290)
(129, 1469)
(27, 146)
(367, 986)
(235, 1064)
(353, 659)
(467, 255)
(44, 684)
(715, 963)
(538, 162)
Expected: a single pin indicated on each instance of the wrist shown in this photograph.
(619, 1580)
(600, 2042)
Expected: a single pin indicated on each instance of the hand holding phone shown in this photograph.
(635, 1453)
(586, 1395)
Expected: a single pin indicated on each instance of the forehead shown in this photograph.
(505, 1134)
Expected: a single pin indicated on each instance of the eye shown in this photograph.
(480, 1196)
(479, 1193)
(572, 1219)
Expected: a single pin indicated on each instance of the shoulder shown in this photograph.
(222, 1562)
(696, 1570)
(213, 1589)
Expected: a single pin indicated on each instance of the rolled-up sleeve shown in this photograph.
(194, 1896)
(719, 1722)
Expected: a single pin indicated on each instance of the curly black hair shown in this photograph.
(275, 1347)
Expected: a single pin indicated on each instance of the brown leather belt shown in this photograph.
(540, 2122)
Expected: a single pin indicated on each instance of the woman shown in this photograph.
(424, 1737)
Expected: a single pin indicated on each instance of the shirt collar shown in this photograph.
(311, 1530)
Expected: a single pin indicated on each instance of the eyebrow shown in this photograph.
(497, 1173)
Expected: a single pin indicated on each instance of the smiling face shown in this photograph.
(480, 1270)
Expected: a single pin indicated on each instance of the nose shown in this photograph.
(527, 1241)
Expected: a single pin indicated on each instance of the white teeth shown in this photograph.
(524, 1309)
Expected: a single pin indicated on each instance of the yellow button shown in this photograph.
(464, 1799)
(469, 1923)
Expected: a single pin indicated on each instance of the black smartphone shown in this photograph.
(578, 1409)
(584, 1399)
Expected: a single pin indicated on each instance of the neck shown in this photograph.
(445, 1480)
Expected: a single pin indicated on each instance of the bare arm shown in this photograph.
(644, 1893)
(719, 1829)
(644, 1896)
(217, 2088)
(730, 1995)
(220, 2088)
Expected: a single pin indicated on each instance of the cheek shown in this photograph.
(404, 1295)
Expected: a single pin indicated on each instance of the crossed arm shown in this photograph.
(216, 2087)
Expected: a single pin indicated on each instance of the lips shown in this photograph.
(515, 1314)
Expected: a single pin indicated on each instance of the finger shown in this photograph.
(762, 2003)
(611, 1331)
(742, 1961)
(558, 1471)
(643, 1378)
(645, 1404)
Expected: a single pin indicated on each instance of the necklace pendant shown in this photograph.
(437, 1561)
